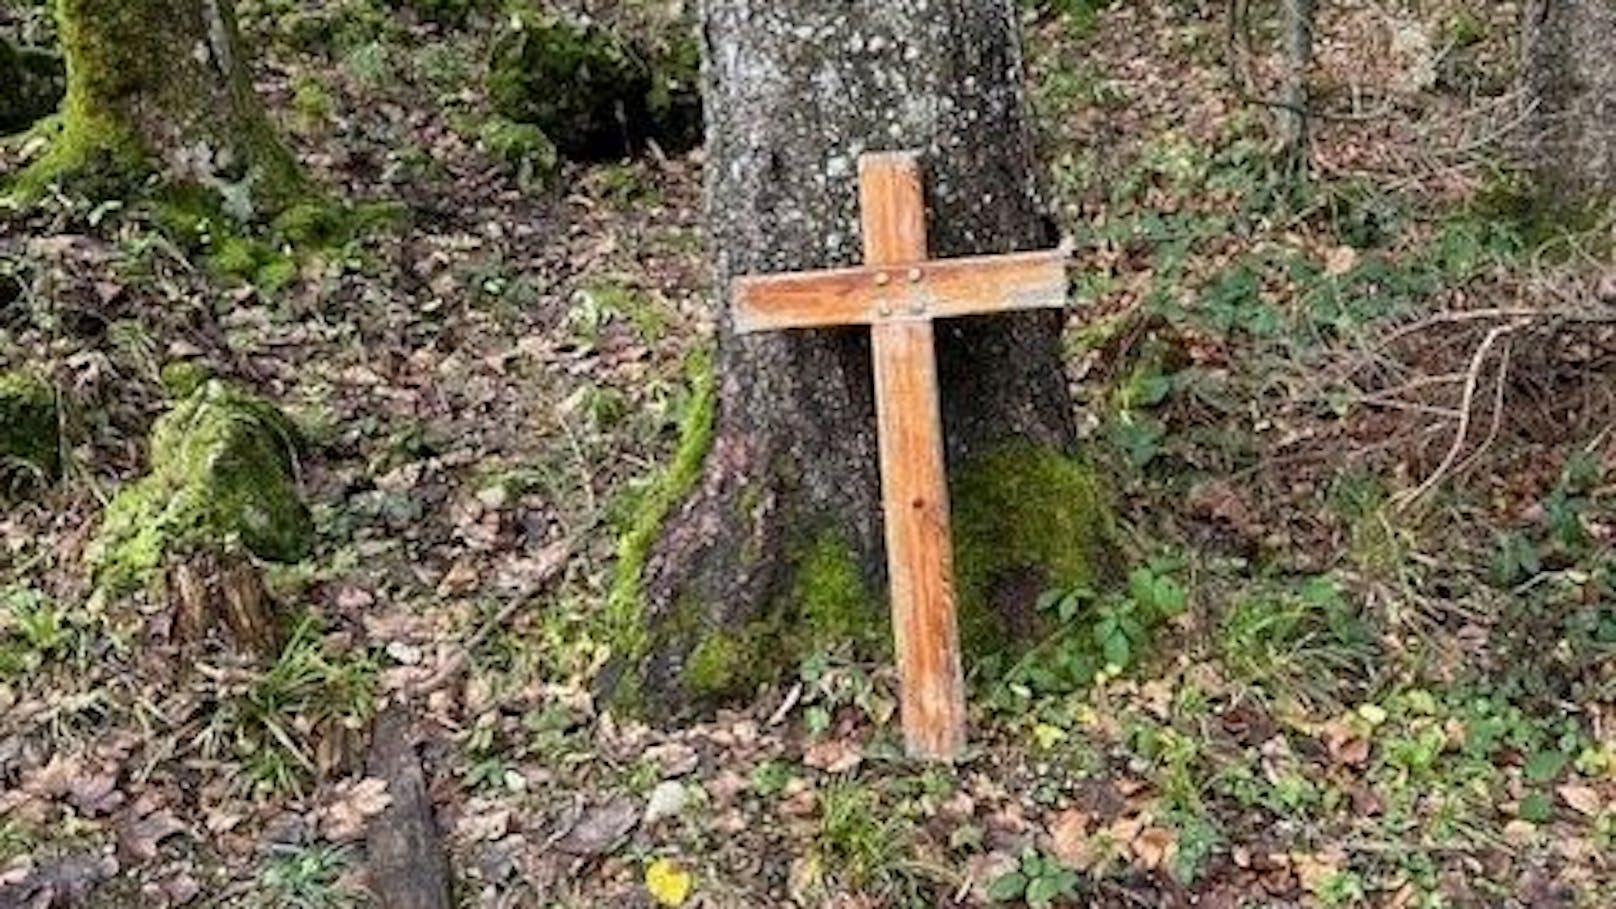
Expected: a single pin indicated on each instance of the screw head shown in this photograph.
(882, 279)
(914, 276)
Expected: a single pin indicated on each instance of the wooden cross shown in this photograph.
(898, 293)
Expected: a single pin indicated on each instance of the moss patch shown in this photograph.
(522, 148)
(223, 475)
(625, 605)
(828, 606)
(1029, 515)
(30, 444)
(267, 256)
(592, 91)
(832, 601)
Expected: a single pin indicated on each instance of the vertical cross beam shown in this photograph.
(914, 488)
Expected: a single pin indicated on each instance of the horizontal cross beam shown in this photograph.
(876, 295)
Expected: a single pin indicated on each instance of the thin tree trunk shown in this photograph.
(1294, 121)
(1569, 49)
(163, 85)
(795, 91)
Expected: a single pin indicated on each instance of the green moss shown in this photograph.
(596, 90)
(30, 440)
(1538, 214)
(267, 256)
(522, 148)
(831, 601)
(181, 378)
(223, 475)
(625, 605)
(721, 664)
(313, 222)
(827, 607)
(1024, 510)
(570, 81)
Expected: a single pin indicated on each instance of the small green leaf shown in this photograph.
(1537, 808)
(1117, 650)
(1545, 766)
(1042, 891)
(1008, 887)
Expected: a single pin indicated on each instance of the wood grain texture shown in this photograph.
(914, 488)
(940, 289)
(407, 865)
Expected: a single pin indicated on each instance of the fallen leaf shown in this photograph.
(1340, 260)
(668, 883)
(1584, 799)
(344, 820)
(1154, 847)
(833, 756)
(601, 828)
(141, 838)
(674, 758)
(462, 577)
(1069, 839)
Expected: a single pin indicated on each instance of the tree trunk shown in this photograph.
(777, 548)
(1294, 125)
(1570, 68)
(162, 84)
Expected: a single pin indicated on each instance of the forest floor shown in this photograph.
(1358, 432)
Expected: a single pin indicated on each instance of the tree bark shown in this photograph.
(163, 84)
(1569, 62)
(795, 91)
(1294, 122)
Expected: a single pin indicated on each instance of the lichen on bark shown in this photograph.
(222, 481)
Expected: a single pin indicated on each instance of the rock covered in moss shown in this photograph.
(31, 84)
(223, 477)
(578, 84)
(595, 93)
(30, 444)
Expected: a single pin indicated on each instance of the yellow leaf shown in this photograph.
(669, 884)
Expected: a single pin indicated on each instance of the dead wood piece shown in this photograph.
(211, 591)
(407, 864)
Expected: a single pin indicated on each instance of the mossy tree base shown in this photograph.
(712, 584)
(160, 87)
